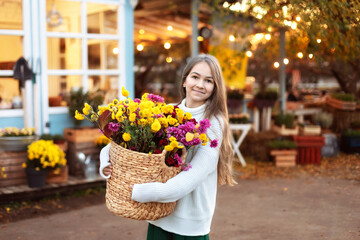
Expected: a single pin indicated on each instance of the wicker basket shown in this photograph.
(129, 168)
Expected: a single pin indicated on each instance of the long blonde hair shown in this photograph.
(217, 107)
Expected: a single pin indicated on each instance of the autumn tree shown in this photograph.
(327, 33)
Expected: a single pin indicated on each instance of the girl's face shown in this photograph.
(199, 85)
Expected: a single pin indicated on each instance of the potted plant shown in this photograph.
(343, 101)
(57, 139)
(234, 100)
(240, 118)
(265, 99)
(284, 152)
(324, 119)
(16, 139)
(42, 155)
(78, 98)
(284, 124)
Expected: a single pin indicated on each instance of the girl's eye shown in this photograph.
(209, 81)
(195, 77)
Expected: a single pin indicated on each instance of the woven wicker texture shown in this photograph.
(129, 168)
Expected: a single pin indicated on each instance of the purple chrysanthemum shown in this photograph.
(178, 159)
(204, 125)
(114, 127)
(137, 100)
(186, 166)
(214, 143)
(155, 98)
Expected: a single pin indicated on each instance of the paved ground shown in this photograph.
(282, 209)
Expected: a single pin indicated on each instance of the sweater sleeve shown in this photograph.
(104, 160)
(203, 163)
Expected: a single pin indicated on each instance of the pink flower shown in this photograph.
(214, 143)
(186, 166)
(114, 127)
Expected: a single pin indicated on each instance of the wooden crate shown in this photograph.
(310, 130)
(283, 131)
(60, 177)
(338, 104)
(88, 148)
(81, 135)
(284, 158)
(12, 163)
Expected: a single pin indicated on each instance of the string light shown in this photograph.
(298, 19)
(276, 64)
(286, 61)
(300, 55)
(140, 47)
(249, 53)
(169, 28)
(232, 38)
(200, 38)
(318, 40)
(294, 25)
(311, 55)
(141, 31)
(167, 45)
(116, 51)
(267, 36)
(169, 59)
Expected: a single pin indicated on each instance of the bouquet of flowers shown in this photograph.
(148, 139)
(148, 125)
(44, 154)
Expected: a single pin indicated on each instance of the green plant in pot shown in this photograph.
(324, 119)
(42, 155)
(77, 100)
(285, 119)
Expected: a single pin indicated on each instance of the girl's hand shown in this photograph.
(108, 170)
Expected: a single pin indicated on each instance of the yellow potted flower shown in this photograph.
(42, 156)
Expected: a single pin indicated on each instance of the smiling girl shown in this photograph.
(204, 96)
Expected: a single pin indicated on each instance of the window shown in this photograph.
(78, 54)
(11, 36)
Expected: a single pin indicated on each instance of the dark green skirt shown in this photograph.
(156, 233)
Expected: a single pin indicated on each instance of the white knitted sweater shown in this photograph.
(194, 190)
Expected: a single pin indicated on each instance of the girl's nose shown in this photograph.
(200, 84)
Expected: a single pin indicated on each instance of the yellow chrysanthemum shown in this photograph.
(155, 126)
(156, 111)
(171, 139)
(171, 120)
(187, 116)
(133, 106)
(169, 148)
(189, 137)
(174, 144)
(202, 137)
(132, 117)
(79, 116)
(124, 92)
(126, 137)
(86, 109)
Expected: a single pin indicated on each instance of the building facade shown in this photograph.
(68, 44)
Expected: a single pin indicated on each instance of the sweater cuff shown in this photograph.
(145, 192)
(104, 160)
